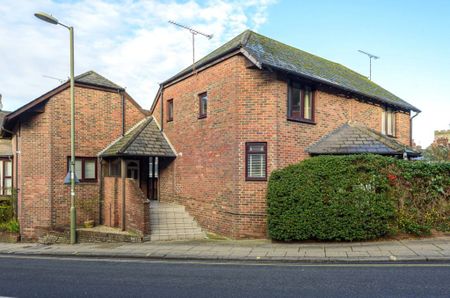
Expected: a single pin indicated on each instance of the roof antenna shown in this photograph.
(370, 61)
(193, 32)
(53, 78)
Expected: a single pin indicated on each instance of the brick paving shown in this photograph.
(428, 249)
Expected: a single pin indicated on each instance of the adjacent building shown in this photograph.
(40, 136)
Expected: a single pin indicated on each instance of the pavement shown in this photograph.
(426, 249)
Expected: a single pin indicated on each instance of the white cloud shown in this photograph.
(129, 42)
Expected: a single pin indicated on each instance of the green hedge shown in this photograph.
(6, 209)
(10, 226)
(357, 197)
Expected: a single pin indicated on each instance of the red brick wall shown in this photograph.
(45, 200)
(137, 208)
(110, 204)
(244, 105)
(203, 176)
(34, 187)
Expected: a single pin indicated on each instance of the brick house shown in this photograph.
(214, 133)
(255, 105)
(40, 137)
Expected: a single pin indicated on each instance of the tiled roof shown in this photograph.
(93, 78)
(145, 139)
(271, 54)
(353, 138)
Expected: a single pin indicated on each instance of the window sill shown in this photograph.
(85, 182)
(202, 117)
(390, 136)
(302, 121)
(169, 121)
(255, 179)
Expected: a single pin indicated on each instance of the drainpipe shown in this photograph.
(161, 86)
(123, 176)
(411, 128)
(101, 187)
(16, 182)
(120, 91)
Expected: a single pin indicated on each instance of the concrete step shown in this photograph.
(174, 226)
(164, 220)
(166, 237)
(170, 215)
(172, 222)
(167, 208)
(171, 219)
(176, 231)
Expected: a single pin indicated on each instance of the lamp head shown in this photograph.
(46, 17)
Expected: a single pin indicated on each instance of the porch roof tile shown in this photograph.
(144, 139)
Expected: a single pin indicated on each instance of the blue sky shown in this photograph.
(131, 43)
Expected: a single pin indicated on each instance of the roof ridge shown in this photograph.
(245, 37)
(122, 136)
(92, 77)
(84, 74)
(135, 134)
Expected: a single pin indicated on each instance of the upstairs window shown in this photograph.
(388, 122)
(170, 110)
(203, 105)
(300, 103)
(256, 161)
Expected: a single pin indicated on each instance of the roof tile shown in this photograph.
(369, 141)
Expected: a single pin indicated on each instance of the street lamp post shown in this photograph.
(52, 20)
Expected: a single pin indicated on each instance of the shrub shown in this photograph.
(6, 211)
(10, 226)
(422, 192)
(357, 197)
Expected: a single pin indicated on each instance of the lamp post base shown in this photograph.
(73, 226)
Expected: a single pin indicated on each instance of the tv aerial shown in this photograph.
(371, 56)
(193, 32)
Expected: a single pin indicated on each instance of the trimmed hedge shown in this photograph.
(6, 209)
(357, 197)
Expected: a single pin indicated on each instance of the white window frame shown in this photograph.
(388, 122)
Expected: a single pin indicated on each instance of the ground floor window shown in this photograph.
(5, 177)
(256, 161)
(133, 169)
(85, 168)
(114, 168)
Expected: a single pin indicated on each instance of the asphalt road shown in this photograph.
(56, 277)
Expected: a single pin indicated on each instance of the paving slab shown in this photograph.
(430, 249)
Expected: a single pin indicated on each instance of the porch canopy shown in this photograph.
(143, 140)
(130, 171)
(354, 138)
